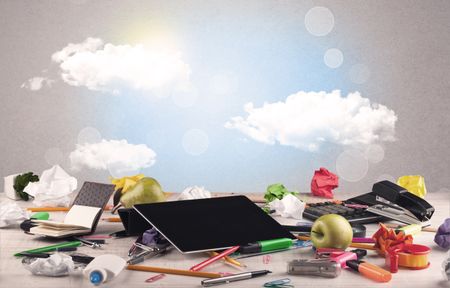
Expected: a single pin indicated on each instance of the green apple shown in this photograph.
(146, 190)
(331, 231)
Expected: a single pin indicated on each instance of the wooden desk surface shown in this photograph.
(13, 274)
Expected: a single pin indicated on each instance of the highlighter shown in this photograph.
(266, 245)
(370, 271)
(410, 229)
(343, 257)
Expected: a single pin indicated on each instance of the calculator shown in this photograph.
(355, 213)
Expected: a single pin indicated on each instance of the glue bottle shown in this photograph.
(103, 268)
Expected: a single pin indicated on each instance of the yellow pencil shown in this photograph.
(56, 209)
(174, 271)
(48, 209)
(112, 219)
(229, 259)
(366, 246)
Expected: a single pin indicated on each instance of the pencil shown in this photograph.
(173, 271)
(56, 209)
(203, 264)
(112, 219)
(366, 246)
(229, 259)
(48, 209)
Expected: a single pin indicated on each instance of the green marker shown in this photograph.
(266, 245)
(40, 216)
(51, 247)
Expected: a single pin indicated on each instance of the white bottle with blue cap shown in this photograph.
(103, 268)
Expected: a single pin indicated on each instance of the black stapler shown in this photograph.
(392, 201)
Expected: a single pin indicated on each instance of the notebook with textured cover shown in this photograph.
(82, 217)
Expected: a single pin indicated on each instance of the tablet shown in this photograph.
(212, 223)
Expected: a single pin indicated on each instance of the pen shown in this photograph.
(234, 277)
(427, 229)
(362, 240)
(203, 264)
(90, 243)
(370, 271)
(51, 247)
(173, 271)
(367, 246)
(229, 259)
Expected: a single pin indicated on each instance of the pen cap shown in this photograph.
(370, 271)
(98, 276)
(275, 244)
(103, 268)
(316, 267)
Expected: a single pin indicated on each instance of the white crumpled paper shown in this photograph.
(289, 206)
(53, 188)
(11, 214)
(194, 192)
(57, 264)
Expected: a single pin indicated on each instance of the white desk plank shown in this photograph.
(13, 274)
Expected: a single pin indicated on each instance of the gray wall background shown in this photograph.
(407, 43)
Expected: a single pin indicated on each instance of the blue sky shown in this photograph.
(235, 56)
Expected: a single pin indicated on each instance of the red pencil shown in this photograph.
(203, 264)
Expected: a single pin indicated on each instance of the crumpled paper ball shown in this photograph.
(323, 183)
(53, 188)
(194, 192)
(289, 206)
(11, 214)
(414, 184)
(56, 265)
(442, 237)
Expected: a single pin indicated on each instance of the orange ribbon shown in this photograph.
(399, 250)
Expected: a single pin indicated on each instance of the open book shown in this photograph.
(78, 221)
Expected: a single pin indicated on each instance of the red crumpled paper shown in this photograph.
(323, 183)
(386, 240)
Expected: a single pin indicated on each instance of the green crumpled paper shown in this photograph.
(277, 191)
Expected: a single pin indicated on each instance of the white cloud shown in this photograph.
(109, 68)
(308, 119)
(112, 154)
(37, 83)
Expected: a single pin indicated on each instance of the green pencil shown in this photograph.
(51, 247)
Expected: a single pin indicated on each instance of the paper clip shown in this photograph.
(266, 259)
(279, 283)
(155, 278)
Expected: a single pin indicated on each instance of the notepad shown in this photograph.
(78, 221)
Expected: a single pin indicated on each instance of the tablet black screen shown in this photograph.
(212, 224)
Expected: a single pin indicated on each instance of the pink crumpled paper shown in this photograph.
(323, 183)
